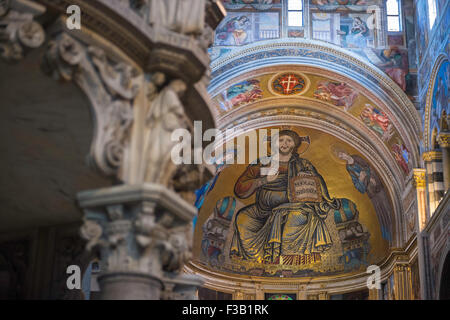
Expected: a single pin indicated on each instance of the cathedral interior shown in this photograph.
(352, 95)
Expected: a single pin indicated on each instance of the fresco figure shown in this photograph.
(288, 216)
(358, 34)
(239, 94)
(235, 32)
(401, 155)
(378, 121)
(340, 94)
(395, 66)
(367, 181)
(343, 2)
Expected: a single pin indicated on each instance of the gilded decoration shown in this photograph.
(324, 212)
(432, 155)
(288, 84)
(419, 178)
(444, 140)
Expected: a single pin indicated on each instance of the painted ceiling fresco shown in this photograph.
(325, 212)
(329, 91)
(351, 24)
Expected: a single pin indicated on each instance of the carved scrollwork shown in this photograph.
(160, 238)
(18, 30)
(120, 79)
(4, 7)
(138, 236)
(111, 87)
(92, 232)
(178, 249)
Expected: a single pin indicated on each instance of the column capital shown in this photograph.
(419, 176)
(138, 230)
(444, 140)
(323, 295)
(432, 155)
(20, 32)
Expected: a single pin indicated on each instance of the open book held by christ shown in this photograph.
(305, 187)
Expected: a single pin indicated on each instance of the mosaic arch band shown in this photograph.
(288, 216)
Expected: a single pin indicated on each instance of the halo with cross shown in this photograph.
(288, 84)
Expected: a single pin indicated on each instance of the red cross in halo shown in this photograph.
(288, 82)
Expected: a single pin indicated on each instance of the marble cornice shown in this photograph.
(154, 49)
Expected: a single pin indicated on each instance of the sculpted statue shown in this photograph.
(166, 114)
(183, 16)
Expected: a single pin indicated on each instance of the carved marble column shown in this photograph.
(142, 234)
(433, 164)
(419, 183)
(444, 142)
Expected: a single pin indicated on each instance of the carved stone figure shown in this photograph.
(183, 16)
(154, 85)
(166, 115)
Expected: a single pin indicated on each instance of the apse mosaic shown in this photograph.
(324, 212)
(336, 93)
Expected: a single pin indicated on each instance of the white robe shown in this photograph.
(184, 16)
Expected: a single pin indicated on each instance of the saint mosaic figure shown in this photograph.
(288, 216)
(366, 180)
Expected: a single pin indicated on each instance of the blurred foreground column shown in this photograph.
(143, 235)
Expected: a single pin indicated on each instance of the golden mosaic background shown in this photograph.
(339, 185)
